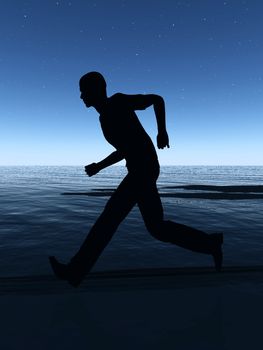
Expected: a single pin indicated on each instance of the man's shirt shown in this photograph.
(123, 130)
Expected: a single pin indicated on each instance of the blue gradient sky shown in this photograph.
(204, 57)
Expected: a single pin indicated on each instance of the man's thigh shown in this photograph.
(122, 200)
(150, 204)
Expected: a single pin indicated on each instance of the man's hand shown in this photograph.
(163, 140)
(92, 169)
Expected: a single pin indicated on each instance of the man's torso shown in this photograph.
(123, 130)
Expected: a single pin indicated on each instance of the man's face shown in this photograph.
(91, 97)
(86, 96)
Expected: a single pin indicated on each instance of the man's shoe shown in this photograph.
(60, 270)
(65, 272)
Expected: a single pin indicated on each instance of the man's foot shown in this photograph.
(65, 272)
(217, 253)
(60, 270)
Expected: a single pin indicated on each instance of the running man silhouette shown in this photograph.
(123, 130)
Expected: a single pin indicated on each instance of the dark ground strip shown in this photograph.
(140, 279)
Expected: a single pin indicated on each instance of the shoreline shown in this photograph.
(134, 279)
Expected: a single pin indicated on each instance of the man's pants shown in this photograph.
(136, 189)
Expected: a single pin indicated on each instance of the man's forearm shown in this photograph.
(113, 158)
(159, 109)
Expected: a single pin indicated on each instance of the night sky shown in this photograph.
(204, 57)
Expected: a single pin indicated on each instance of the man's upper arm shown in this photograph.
(139, 101)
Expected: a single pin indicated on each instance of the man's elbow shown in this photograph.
(157, 100)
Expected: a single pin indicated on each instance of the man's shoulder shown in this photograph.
(131, 102)
(118, 96)
(119, 100)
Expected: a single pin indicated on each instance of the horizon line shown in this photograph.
(114, 165)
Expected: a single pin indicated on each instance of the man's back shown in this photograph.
(123, 130)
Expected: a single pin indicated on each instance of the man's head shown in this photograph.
(93, 88)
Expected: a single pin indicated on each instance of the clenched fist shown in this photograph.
(162, 140)
(92, 169)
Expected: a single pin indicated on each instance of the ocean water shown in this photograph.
(45, 210)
